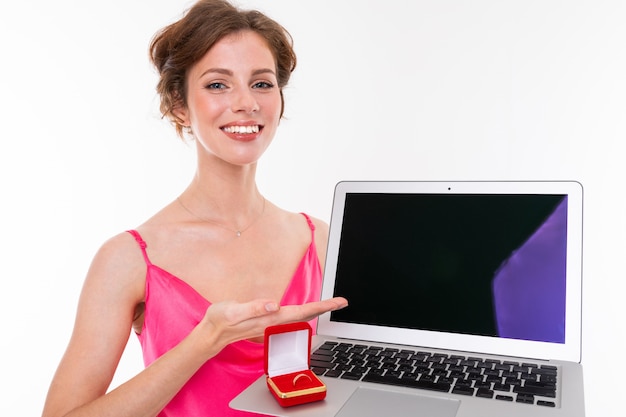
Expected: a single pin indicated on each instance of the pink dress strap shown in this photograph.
(310, 222)
(142, 245)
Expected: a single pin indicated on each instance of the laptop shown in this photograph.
(464, 301)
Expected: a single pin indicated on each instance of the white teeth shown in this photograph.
(241, 129)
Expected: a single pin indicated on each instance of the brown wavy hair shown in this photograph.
(178, 46)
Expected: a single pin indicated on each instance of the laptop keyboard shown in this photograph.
(527, 383)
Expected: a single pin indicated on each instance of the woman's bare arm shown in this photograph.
(112, 289)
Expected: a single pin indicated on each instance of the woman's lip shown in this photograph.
(241, 123)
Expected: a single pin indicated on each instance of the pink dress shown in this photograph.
(173, 309)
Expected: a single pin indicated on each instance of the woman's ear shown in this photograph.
(181, 114)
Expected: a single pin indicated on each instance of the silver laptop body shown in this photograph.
(465, 301)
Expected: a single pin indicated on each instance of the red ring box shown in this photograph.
(287, 359)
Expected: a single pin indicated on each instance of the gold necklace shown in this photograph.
(237, 232)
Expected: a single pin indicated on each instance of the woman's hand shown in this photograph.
(229, 321)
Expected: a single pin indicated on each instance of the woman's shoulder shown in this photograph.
(301, 222)
(124, 244)
(121, 253)
(320, 226)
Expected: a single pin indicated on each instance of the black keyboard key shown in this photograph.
(464, 382)
(483, 385)
(360, 370)
(322, 364)
(422, 367)
(333, 373)
(356, 350)
(501, 387)
(484, 393)
(342, 347)
(446, 380)
(548, 379)
(536, 389)
(371, 352)
(428, 378)
(508, 374)
(494, 379)
(503, 367)
(405, 368)
(318, 371)
(526, 399)
(403, 354)
(317, 357)
(463, 390)
(392, 374)
(389, 366)
(352, 375)
(411, 383)
(376, 371)
(546, 370)
(512, 381)
(457, 374)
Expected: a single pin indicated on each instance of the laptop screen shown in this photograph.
(490, 267)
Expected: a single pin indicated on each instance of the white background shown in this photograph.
(408, 90)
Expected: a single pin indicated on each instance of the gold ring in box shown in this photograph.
(295, 380)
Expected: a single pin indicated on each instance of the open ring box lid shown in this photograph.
(287, 359)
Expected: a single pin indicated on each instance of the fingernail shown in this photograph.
(271, 307)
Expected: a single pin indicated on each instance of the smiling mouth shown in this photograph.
(242, 130)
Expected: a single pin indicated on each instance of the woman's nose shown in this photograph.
(244, 101)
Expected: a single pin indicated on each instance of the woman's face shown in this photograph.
(233, 99)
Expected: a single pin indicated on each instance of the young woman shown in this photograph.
(200, 280)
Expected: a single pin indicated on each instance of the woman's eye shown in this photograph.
(215, 86)
(263, 85)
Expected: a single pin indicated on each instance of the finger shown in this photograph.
(337, 302)
(306, 312)
(330, 304)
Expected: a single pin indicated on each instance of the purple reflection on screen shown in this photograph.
(529, 287)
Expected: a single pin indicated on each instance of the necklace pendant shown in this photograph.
(238, 233)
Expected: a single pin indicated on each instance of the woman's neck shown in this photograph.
(231, 198)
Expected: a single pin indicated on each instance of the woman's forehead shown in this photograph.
(244, 51)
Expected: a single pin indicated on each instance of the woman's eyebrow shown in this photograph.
(263, 71)
(228, 72)
(216, 70)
